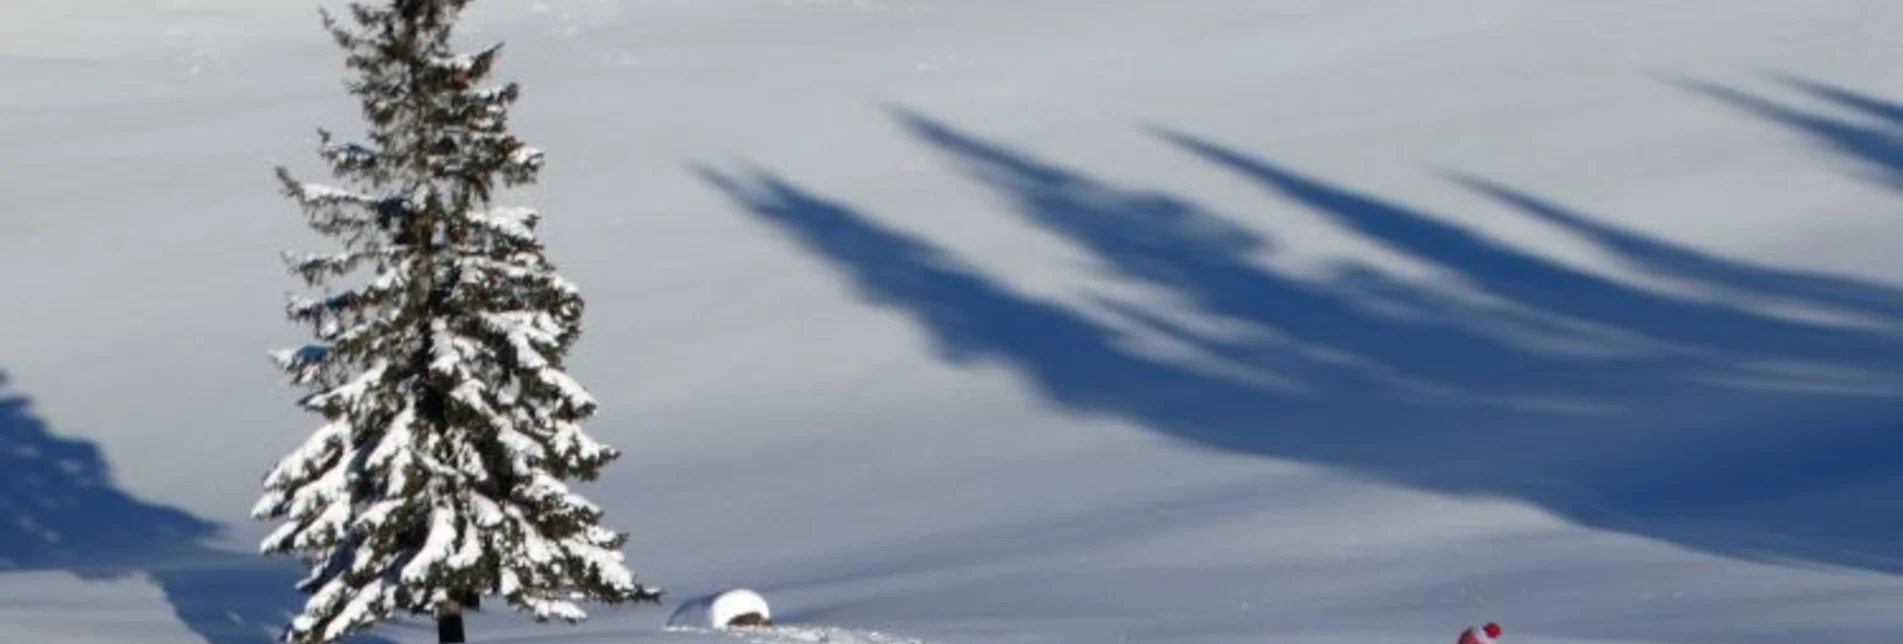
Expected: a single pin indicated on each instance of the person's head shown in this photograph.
(1492, 629)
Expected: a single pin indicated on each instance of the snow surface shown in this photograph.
(1213, 321)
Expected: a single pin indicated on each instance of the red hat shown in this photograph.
(1492, 629)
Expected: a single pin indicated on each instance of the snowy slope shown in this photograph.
(1039, 321)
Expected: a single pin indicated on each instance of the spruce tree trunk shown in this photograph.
(449, 625)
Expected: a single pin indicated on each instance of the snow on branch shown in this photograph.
(321, 195)
(515, 223)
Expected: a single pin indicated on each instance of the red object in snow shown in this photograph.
(1480, 634)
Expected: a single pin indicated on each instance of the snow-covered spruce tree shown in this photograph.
(450, 429)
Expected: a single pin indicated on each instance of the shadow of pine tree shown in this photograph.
(61, 511)
(1716, 426)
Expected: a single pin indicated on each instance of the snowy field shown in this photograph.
(1037, 321)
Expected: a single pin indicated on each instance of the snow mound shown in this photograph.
(722, 609)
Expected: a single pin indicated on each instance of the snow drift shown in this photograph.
(725, 609)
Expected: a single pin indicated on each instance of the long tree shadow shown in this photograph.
(1874, 139)
(61, 511)
(1869, 132)
(1827, 293)
(1718, 427)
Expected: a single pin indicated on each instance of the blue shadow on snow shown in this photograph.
(1873, 140)
(61, 511)
(1716, 426)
